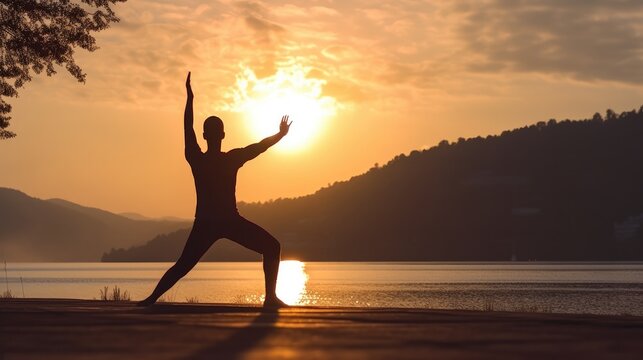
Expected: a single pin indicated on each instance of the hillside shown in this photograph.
(167, 247)
(560, 190)
(57, 230)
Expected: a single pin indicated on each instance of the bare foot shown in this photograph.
(146, 302)
(274, 303)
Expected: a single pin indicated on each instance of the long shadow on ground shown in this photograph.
(242, 341)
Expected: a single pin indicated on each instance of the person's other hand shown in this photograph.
(188, 87)
(284, 125)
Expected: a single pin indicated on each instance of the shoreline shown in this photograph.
(68, 328)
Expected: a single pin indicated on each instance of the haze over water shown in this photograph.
(597, 288)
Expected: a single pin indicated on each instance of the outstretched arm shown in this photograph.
(252, 151)
(284, 126)
(191, 146)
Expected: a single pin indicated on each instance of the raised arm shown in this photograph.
(191, 146)
(252, 151)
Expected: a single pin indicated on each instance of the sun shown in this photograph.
(291, 283)
(287, 92)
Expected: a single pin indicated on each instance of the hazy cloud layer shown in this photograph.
(362, 50)
(584, 39)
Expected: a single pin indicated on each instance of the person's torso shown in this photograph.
(215, 179)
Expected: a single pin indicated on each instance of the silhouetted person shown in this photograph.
(215, 178)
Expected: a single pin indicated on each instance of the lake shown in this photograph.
(596, 288)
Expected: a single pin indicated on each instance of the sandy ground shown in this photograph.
(83, 329)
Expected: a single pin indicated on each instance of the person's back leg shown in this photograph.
(197, 244)
(256, 238)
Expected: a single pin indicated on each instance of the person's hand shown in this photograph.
(284, 125)
(188, 87)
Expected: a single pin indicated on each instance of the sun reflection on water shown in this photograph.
(291, 283)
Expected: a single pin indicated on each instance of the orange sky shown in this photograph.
(393, 76)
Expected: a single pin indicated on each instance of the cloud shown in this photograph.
(585, 40)
(346, 91)
(364, 51)
(255, 15)
(262, 26)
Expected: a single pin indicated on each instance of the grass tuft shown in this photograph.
(490, 305)
(168, 297)
(115, 295)
(6, 295)
(192, 300)
(533, 309)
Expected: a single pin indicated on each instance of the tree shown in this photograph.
(597, 117)
(37, 35)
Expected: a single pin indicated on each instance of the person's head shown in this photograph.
(213, 129)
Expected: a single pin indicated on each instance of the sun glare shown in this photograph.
(288, 92)
(291, 284)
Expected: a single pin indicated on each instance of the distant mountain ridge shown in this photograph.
(32, 229)
(556, 190)
(137, 216)
(168, 247)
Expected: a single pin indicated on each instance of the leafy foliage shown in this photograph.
(37, 35)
